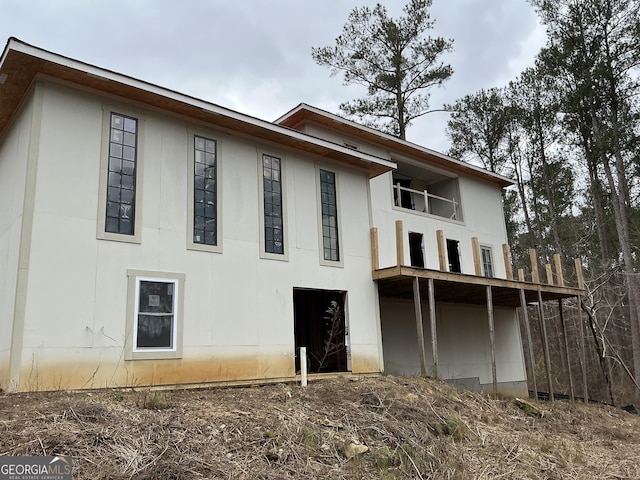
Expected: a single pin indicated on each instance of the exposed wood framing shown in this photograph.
(417, 304)
(442, 256)
(492, 340)
(559, 274)
(527, 327)
(375, 258)
(583, 353)
(477, 263)
(506, 254)
(432, 321)
(566, 349)
(549, 273)
(521, 274)
(579, 275)
(399, 244)
(545, 344)
(533, 256)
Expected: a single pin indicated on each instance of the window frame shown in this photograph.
(133, 289)
(323, 260)
(191, 244)
(492, 272)
(283, 200)
(101, 232)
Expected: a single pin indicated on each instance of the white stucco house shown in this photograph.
(151, 238)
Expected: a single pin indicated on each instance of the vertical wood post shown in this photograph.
(477, 264)
(533, 255)
(583, 353)
(442, 257)
(303, 366)
(545, 343)
(549, 272)
(434, 333)
(566, 348)
(579, 276)
(418, 311)
(375, 258)
(492, 339)
(521, 275)
(506, 254)
(527, 327)
(559, 274)
(399, 244)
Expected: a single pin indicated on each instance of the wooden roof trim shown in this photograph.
(94, 77)
(304, 112)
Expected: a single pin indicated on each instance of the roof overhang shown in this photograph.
(22, 64)
(307, 113)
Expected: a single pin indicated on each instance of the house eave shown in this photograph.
(307, 113)
(21, 64)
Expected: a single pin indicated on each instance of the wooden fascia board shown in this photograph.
(302, 114)
(22, 63)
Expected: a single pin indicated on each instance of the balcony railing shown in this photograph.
(427, 198)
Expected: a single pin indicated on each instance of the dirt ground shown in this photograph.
(384, 427)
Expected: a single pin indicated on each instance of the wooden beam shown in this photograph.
(549, 272)
(521, 274)
(559, 274)
(477, 263)
(583, 353)
(432, 321)
(579, 275)
(417, 304)
(545, 343)
(442, 257)
(527, 327)
(506, 254)
(375, 259)
(492, 340)
(533, 255)
(566, 350)
(399, 244)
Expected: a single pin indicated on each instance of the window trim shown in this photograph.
(324, 261)
(489, 249)
(191, 245)
(101, 232)
(134, 277)
(283, 190)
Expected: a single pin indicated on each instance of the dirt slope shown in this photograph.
(411, 428)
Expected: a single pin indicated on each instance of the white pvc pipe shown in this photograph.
(303, 366)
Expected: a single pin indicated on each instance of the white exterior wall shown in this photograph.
(464, 348)
(238, 308)
(481, 205)
(14, 150)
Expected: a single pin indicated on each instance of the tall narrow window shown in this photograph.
(487, 261)
(273, 218)
(453, 252)
(121, 183)
(329, 208)
(205, 199)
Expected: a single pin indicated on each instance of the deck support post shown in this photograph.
(442, 257)
(477, 261)
(566, 349)
(399, 244)
(533, 256)
(545, 343)
(418, 311)
(527, 327)
(375, 255)
(506, 254)
(432, 321)
(583, 353)
(492, 339)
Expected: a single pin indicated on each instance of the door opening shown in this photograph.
(453, 252)
(416, 253)
(320, 326)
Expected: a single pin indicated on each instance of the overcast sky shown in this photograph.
(254, 56)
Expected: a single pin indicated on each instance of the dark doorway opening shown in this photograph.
(453, 253)
(416, 253)
(319, 325)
